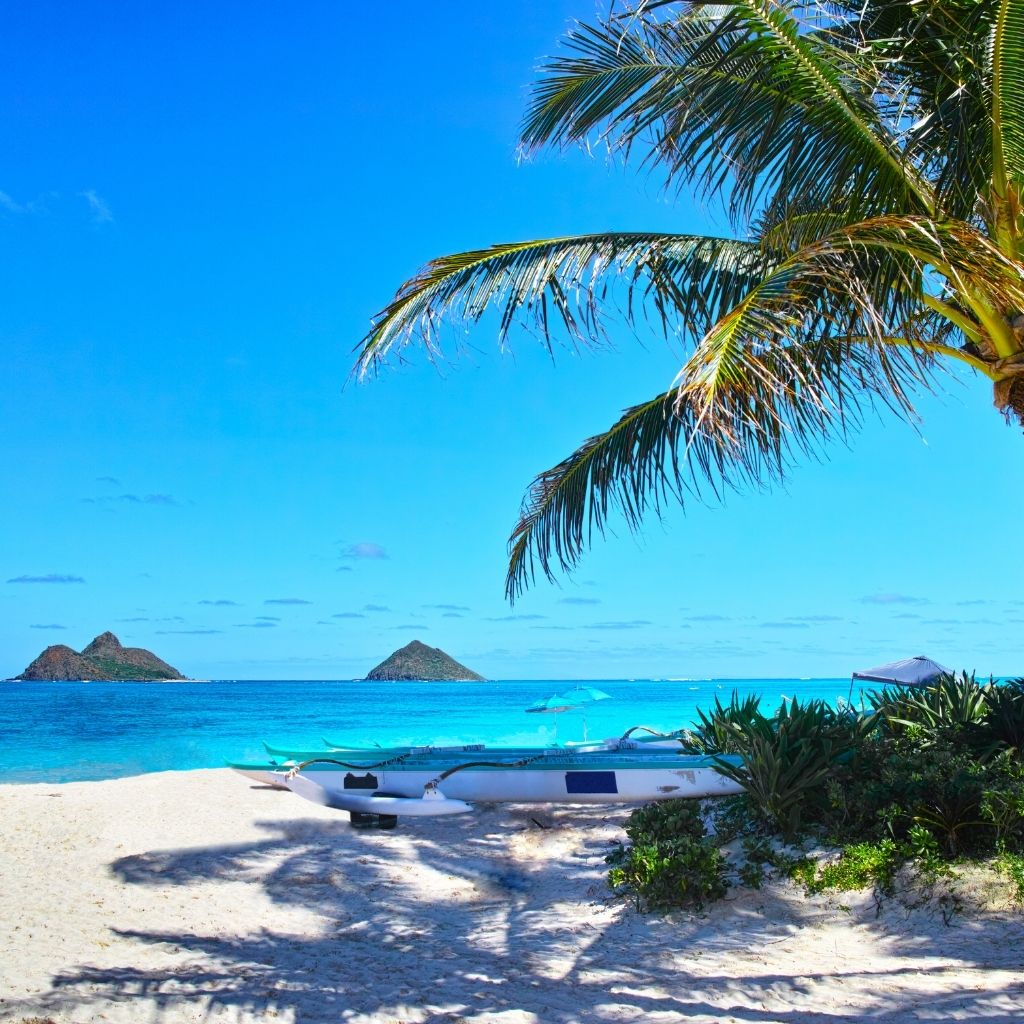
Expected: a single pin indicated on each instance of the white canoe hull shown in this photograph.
(264, 776)
(366, 803)
(574, 784)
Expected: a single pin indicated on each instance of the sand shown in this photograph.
(195, 896)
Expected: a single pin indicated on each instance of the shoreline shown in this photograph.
(191, 895)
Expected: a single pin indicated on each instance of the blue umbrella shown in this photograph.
(586, 694)
(569, 701)
(558, 702)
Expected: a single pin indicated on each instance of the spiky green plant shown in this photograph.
(786, 760)
(715, 731)
(1005, 718)
(951, 702)
(870, 156)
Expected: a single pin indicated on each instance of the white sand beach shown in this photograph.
(193, 896)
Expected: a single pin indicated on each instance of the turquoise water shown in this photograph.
(64, 732)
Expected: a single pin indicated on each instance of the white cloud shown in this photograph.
(97, 206)
(365, 549)
(8, 204)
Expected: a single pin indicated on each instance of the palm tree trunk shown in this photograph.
(1009, 397)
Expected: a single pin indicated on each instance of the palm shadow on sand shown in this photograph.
(500, 946)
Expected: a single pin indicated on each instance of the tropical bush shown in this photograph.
(1012, 865)
(786, 759)
(952, 704)
(927, 776)
(669, 860)
(857, 867)
(1005, 719)
(717, 731)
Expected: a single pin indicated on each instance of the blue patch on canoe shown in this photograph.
(590, 782)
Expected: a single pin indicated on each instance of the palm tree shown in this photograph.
(870, 156)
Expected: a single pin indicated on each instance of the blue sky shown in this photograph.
(201, 206)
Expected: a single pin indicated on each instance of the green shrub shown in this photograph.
(666, 820)
(1012, 865)
(752, 874)
(669, 862)
(1005, 719)
(931, 774)
(898, 783)
(735, 818)
(924, 849)
(1002, 801)
(858, 866)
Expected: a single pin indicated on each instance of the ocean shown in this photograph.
(66, 732)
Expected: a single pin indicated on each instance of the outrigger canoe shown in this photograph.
(452, 786)
(282, 759)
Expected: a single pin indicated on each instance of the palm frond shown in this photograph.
(933, 87)
(829, 334)
(1008, 119)
(683, 281)
(873, 152)
(737, 94)
(632, 467)
(788, 363)
(663, 449)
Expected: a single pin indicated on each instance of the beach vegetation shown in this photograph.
(784, 759)
(716, 731)
(1005, 719)
(869, 158)
(1012, 865)
(927, 778)
(858, 866)
(956, 703)
(669, 860)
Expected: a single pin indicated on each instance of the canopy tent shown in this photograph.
(919, 671)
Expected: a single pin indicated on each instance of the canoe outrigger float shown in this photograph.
(650, 740)
(280, 760)
(376, 785)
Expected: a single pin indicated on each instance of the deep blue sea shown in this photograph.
(64, 732)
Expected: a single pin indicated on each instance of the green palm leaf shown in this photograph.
(830, 332)
(630, 467)
(871, 153)
(1008, 118)
(731, 93)
(683, 280)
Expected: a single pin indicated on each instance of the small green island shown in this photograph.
(103, 660)
(418, 661)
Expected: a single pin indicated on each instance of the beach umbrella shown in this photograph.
(586, 694)
(557, 703)
(570, 700)
(919, 671)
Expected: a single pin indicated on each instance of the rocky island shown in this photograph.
(104, 660)
(418, 661)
